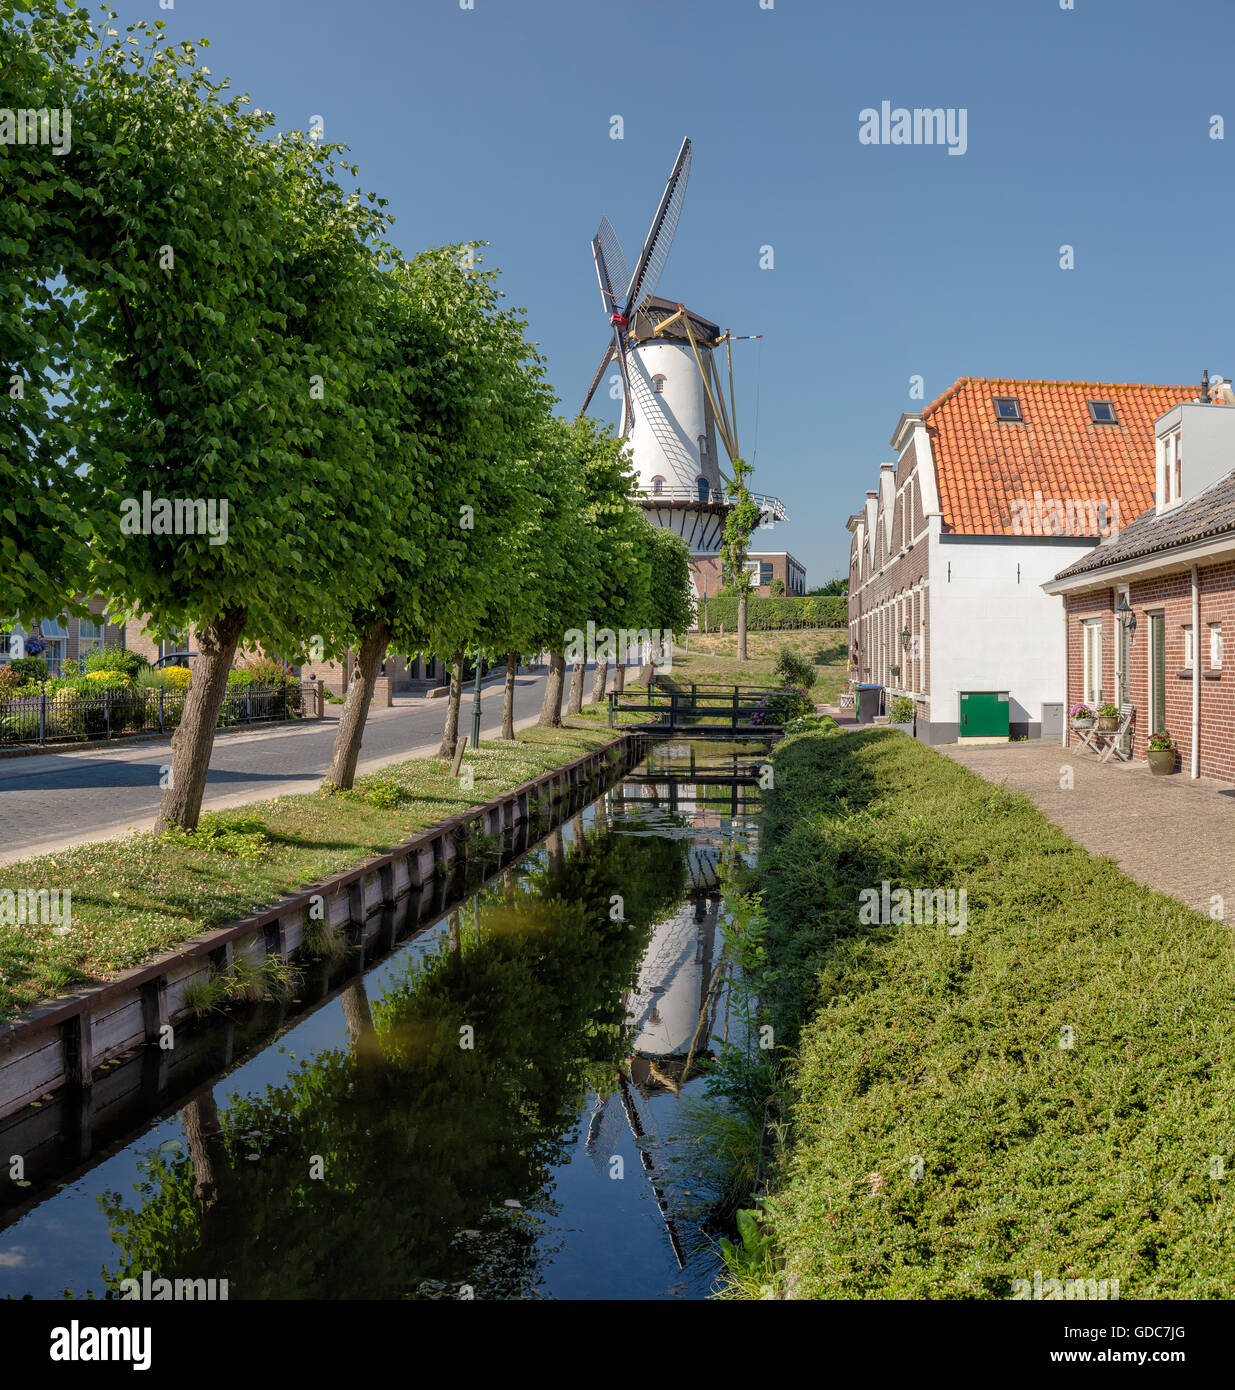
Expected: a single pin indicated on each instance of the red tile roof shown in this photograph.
(982, 463)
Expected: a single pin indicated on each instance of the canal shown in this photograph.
(508, 1105)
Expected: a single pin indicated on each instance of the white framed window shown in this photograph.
(1189, 648)
(1215, 646)
(658, 485)
(1170, 473)
(1091, 637)
(89, 636)
(658, 385)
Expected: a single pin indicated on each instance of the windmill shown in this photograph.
(674, 405)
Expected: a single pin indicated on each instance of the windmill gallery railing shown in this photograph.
(711, 710)
(773, 507)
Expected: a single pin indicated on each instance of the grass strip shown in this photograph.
(137, 896)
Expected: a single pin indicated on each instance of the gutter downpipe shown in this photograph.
(1196, 674)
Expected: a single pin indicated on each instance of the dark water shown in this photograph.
(495, 1107)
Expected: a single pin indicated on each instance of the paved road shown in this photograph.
(56, 799)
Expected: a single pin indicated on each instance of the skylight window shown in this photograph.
(1102, 413)
(1007, 408)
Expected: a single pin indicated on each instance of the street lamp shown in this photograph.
(905, 639)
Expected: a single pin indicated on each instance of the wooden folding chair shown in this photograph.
(1088, 737)
(1114, 741)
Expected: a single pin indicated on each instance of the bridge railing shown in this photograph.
(706, 706)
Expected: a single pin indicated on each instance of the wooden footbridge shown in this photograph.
(706, 710)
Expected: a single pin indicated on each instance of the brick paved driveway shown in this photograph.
(1171, 833)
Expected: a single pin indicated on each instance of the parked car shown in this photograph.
(175, 659)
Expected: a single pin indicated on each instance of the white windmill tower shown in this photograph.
(674, 407)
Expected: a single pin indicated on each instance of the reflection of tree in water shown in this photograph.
(421, 1141)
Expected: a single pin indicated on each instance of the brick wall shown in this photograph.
(882, 605)
(1172, 596)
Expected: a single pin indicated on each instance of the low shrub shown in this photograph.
(793, 669)
(903, 710)
(116, 659)
(30, 668)
(1041, 1090)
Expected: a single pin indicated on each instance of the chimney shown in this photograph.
(1205, 386)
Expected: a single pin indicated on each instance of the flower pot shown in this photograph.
(1161, 761)
(1108, 723)
(1082, 723)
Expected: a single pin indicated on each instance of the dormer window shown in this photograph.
(1170, 470)
(1007, 408)
(1102, 413)
(658, 485)
(658, 385)
(703, 446)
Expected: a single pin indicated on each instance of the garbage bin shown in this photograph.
(870, 702)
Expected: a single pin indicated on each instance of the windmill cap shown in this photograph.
(655, 311)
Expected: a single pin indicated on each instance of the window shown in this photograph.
(1007, 408)
(703, 446)
(658, 385)
(704, 488)
(1157, 672)
(1102, 413)
(1171, 475)
(1091, 633)
(89, 636)
(1215, 646)
(1189, 647)
(658, 485)
(765, 571)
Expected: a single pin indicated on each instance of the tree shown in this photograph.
(742, 519)
(838, 586)
(456, 399)
(217, 340)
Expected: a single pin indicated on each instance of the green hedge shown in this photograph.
(771, 614)
(1094, 1161)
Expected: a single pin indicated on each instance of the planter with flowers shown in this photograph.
(1108, 718)
(1161, 754)
(1081, 716)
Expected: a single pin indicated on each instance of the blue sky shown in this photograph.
(1089, 127)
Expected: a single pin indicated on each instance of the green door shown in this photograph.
(984, 714)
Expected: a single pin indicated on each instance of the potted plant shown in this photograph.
(1108, 718)
(1161, 754)
(895, 672)
(1081, 716)
(902, 714)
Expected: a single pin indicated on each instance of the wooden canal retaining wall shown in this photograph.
(65, 1041)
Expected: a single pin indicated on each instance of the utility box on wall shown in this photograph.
(984, 714)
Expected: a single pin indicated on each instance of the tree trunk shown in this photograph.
(450, 734)
(575, 704)
(203, 1135)
(600, 680)
(619, 678)
(556, 849)
(551, 705)
(455, 924)
(193, 740)
(742, 626)
(348, 735)
(358, 1017)
(508, 695)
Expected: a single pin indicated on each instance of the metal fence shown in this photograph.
(66, 715)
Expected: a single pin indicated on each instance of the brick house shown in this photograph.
(765, 566)
(997, 486)
(65, 638)
(1146, 612)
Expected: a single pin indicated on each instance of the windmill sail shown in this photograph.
(655, 250)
